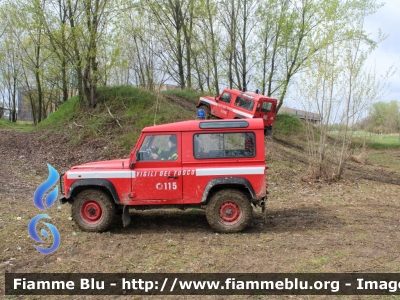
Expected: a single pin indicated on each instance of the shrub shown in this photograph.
(286, 124)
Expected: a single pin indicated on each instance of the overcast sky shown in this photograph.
(387, 19)
(388, 53)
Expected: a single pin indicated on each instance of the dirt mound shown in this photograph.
(33, 150)
(181, 102)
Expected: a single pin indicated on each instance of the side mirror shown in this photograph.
(132, 163)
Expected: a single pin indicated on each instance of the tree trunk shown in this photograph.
(213, 49)
(180, 59)
(38, 80)
(77, 55)
(244, 54)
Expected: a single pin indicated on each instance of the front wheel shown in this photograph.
(93, 210)
(229, 211)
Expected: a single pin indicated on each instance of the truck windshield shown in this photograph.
(226, 97)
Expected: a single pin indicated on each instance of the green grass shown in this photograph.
(319, 261)
(286, 124)
(377, 141)
(120, 114)
(327, 199)
(188, 94)
(377, 145)
(19, 125)
(385, 141)
(62, 116)
(380, 157)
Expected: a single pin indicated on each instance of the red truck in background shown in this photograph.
(235, 104)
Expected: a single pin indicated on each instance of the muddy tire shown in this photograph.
(268, 132)
(93, 210)
(206, 110)
(229, 210)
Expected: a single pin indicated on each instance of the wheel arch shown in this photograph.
(218, 184)
(203, 103)
(100, 184)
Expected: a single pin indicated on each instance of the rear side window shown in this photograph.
(244, 103)
(224, 145)
(266, 106)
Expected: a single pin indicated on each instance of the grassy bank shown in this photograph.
(19, 125)
(193, 96)
(122, 112)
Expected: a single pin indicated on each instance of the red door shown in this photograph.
(222, 108)
(157, 173)
(266, 111)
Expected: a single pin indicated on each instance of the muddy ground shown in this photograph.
(349, 226)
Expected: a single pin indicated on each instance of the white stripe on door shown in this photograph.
(100, 174)
(230, 171)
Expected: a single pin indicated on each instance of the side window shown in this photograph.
(244, 103)
(224, 145)
(266, 107)
(226, 97)
(158, 147)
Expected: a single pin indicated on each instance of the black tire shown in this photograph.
(268, 131)
(93, 210)
(206, 110)
(229, 210)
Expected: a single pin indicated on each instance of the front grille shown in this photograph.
(62, 184)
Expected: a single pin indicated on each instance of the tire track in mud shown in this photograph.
(373, 173)
(352, 170)
(181, 102)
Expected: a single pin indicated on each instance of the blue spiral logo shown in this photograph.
(44, 187)
(33, 233)
(48, 202)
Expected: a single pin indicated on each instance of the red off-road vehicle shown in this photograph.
(235, 104)
(218, 165)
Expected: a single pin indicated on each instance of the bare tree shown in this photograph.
(10, 76)
(337, 85)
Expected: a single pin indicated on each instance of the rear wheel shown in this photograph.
(268, 131)
(229, 211)
(93, 210)
(206, 110)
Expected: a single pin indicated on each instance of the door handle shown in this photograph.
(172, 177)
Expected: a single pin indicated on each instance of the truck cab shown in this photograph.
(235, 104)
(218, 165)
